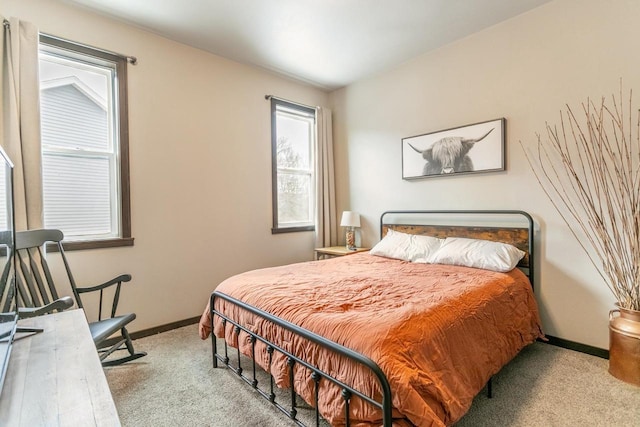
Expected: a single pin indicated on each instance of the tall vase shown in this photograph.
(624, 345)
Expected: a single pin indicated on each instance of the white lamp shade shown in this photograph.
(350, 219)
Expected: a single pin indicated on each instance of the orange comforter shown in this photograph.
(438, 332)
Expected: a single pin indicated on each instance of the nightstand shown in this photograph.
(334, 251)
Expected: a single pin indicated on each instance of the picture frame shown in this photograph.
(469, 149)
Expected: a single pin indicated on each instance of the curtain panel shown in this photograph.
(326, 221)
(21, 119)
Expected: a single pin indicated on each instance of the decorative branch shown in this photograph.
(590, 171)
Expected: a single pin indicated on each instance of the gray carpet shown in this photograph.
(175, 385)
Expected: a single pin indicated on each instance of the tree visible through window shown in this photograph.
(84, 142)
(293, 145)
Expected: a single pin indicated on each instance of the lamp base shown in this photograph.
(351, 240)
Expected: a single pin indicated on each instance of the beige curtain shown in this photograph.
(326, 221)
(21, 119)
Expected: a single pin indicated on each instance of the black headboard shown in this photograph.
(491, 225)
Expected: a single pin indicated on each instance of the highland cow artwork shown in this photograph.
(468, 149)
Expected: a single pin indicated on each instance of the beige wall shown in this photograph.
(200, 167)
(200, 149)
(525, 70)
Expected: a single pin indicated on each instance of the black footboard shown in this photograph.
(317, 375)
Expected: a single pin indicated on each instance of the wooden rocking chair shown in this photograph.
(37, 294)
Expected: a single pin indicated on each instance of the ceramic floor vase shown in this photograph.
(624, 345)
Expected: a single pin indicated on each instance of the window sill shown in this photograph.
(292, 229)
(92, 244)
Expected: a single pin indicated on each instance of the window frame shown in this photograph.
(122, 116)
(276, 228)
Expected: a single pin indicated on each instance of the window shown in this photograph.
(293, 147)
(85, 166)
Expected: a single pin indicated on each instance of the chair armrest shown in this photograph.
(116, 296)
(60, 304)
(119, 279)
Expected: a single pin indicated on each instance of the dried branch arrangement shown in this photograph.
(589, 169)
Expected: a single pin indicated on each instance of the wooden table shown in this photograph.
(55, 377)
(333, 251)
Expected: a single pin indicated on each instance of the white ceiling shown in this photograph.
(327, 43)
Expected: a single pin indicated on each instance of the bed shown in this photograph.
(372, 340)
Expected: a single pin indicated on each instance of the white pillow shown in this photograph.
(478, 253)
(407, 247)
(393, 245)
(423, 248)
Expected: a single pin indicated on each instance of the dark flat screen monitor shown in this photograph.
(8, 305)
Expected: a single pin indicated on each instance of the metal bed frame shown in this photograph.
(317, 375)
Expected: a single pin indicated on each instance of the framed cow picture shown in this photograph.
(463, 150)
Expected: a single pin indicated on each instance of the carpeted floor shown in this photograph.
(176, 385)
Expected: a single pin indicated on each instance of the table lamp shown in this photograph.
(351, 220)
